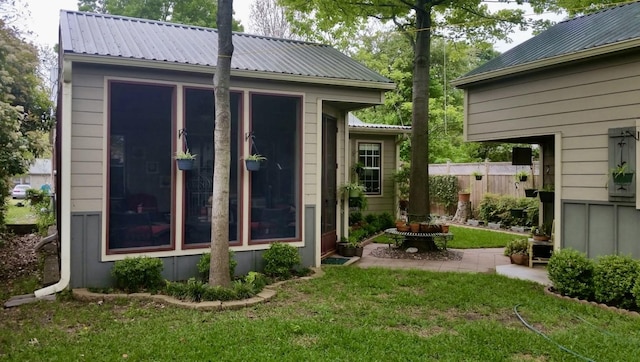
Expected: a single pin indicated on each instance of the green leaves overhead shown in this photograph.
(191, 12)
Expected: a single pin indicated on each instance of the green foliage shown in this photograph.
(136, 274)
(571, 273)
(636, 291)
(443, 189)
(198, 291)
(42, 207)
(280, 259)
(517, 246)
(614, 276)
(191, 12)
(355, 217)
(204, 265)
(497, 208)
(25, 109)
(385, 221)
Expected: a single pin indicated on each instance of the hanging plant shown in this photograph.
(477, 175)
(522, 176)
(253, 162)
(622, 175)
(185, 160)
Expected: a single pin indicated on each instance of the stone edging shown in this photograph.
(548, 291)
(265, 295)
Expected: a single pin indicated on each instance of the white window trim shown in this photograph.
(381, 168)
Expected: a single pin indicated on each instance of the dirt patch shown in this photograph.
(401, 253)
(17, 256)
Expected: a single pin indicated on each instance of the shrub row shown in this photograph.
(497, 208)
(612, 279)
(145, 274)
(371, 224)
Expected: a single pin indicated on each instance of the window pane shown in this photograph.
(370, 177)
(275, 200)
(199, 123)
(139, 165)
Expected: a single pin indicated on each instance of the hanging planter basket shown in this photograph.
(622, 178)
(252, 165)
(530, 192)
(478, 177)
(546, 196)
(185, 164)
(524, 178)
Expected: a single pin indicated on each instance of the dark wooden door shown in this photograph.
(329, 194)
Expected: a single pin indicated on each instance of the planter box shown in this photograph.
(546, 196)
(530, 192)
(623, 178)
(185, 165)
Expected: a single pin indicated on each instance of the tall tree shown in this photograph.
(25, 108)
(416, 19)
(219, 268)
(191, 12)
(269, 19)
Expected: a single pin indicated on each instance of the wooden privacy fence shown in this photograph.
(497, 178)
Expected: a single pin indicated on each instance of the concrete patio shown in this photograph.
(473, 261)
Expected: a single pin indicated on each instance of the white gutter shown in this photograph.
(210, 69)
(65, 188)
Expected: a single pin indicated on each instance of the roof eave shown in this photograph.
(381, 131)
(207, 69)
(547, 62)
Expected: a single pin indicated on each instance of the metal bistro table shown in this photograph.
(442, 238)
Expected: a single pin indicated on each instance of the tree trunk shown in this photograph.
(219, 271)
(419, 176)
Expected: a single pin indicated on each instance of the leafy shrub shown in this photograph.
(386, 221)
(636, 291)
(136, 274)
(571, 273)
(280, 259)
(444, 189)
(355, 217)
(516, 246)
(42, 208)
(204, 265)
(196, 291)
(613, 277)
(497, 208)
(371, 218)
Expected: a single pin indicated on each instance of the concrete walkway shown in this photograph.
(473, 261)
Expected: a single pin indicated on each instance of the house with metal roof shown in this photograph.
(574, 90)
(135, 92)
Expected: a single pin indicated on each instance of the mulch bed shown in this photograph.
(401, 253)
(17, 256)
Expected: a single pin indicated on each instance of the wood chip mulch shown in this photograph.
(17, 256)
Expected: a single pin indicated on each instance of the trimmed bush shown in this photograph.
(497, 208)
(137, 274)
(280, 260)
(204, 265)
(636, 291)
(614, 277)
(386, 221)
(571, 273)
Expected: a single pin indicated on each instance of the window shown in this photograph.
(199, 124)
(370, 175)
(275, 193)
(140, 149)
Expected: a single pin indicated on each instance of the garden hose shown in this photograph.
(515, 309)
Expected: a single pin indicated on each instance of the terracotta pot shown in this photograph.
(541, 238)
(464, 196)
(520, 259)
(403, 228)
(445, 228)
(415, 227)
(424, 227)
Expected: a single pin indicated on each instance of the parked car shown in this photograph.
(20, 191)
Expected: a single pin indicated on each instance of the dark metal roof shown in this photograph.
(141, 39)
(605, 27)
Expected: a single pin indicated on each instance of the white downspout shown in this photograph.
(65, 188)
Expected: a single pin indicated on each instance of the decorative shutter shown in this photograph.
(622, 151)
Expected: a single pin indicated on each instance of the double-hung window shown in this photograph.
(369, 156)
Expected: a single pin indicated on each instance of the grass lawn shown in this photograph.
(349, 314)
(19, 215)
(469, 238)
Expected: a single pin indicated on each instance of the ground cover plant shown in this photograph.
(347, 314)
(468, 238)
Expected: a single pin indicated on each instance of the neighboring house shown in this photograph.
(376, 147)
(574, 89)
(134, 92)
(39, 174)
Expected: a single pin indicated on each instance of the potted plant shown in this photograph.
(352, 189)
(464, 195)
(622, 175)
(522, 176)
(401, 177)
(341, 245)
(546, 194)
(530, 192)
(253, 161)
(540, 233)
(518, 251)
(477, 175)
(185, 160)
